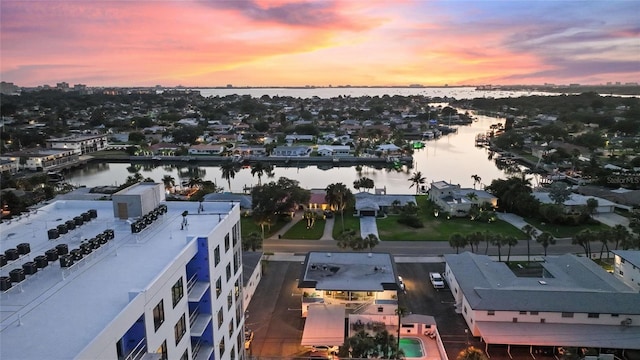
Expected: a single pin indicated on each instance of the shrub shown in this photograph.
(411, 221)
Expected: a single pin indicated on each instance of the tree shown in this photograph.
(416, 180)
(604, 236)
(545, 239)
(370, 241)
(338, 196)
(229, 170)
(258, 168)
(276, 199)
(457, 241)
(510, 241)
(364, 182)
(498, 240)
(169, 182)
(252, 241)
(476, 180)
(471, 353)
(474, 239)
(592, 205)
(471, 196)
(530, 231)
(559, 192)
(584, 238)
(358, 346)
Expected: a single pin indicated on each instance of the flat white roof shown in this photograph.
(137, 189)
(351, 271)
(324, 325)
(58, 312)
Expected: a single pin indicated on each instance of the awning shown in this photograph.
(570, 335)
(324, 325)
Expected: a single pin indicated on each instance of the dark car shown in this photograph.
(328, 214)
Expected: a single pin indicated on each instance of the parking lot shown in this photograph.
(274, 313)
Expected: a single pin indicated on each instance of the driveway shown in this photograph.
(612, 219)
(368, 226)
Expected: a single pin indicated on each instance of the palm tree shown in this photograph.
(474, 239)
(531, 232)
(417, 179)
(229, 170)
(584, 238)
(258, 169)
(498, 240)
(370, 241)
(457, 241)
(471, 353)
(604, 236)
(195, 182)
(620, 236)
(476, 180)
(510, 241)
(252, 241)
(545, 239)
(169, 182)
(338, 196)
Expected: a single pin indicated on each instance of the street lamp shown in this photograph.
(466, 331)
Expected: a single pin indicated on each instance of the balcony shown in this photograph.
(198, 322)
(196, 289)
(201, 351)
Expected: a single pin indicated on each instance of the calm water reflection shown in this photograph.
(453, 158)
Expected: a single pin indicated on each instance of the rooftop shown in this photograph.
(66, 308)
(491, 285)
(632, 256)
(349, 271)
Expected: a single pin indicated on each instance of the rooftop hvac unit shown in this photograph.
(85, 248)
(94, 242)
(66, 261)
(62, 229)
(70, 224)
(53, 234)
(29, 268)
(86, 217)
(79, 220)
(11, 254)
(76, 254)
(3, 260)
(5, 283)
(62, 249)
(51, 254)
(23, 248)
(17, 275)
(41, 261)
(93, 213)
(109, 233)
(101, 238)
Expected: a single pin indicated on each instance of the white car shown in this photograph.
(401, 283)
(436, 280)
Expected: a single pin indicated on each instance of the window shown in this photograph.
(220, 317)
(533, 312)
(620, 272)
(542, 321)
(218, 287)
(523, 313)
(236, 232)
(185, 356)
(177, 292)
(615, 315)
(239, 340)
(158, 315)
(180, 328)
(491, 312)
(216, 255)
(228, 272)
(464, 309)
(233, 354)
(221, 346)
(162, 350)
(567, 314)
(238, 314)
(380, 309)
(231, 328)
(229, 299)
(227, 243)
(237, 289)
(236, 263)
(515, 320)
(593, 315)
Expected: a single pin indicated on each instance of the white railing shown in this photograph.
(193, 316)
(139, 351)
(192, 282)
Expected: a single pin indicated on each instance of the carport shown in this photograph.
(325, 325)
(565, 335)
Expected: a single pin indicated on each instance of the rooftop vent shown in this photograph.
(542, 282)
(328, 254)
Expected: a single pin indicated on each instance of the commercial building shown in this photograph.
(37, 159)
(565, 301)
(80, 144)
(80, 283)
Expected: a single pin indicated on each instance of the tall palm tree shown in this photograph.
(584, 238)
(417, 179)
(545, 239)
(531, 232)
(169, 182)
(252, 242)
(258, 169)
(510, 241)
(498, 240)
(476, 180)
(338, 196)
(229, 170)
(370, 241)
(457, 241)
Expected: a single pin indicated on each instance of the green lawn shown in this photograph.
(440, 229)
(350, 222)
(564, 231)
(300, 231)
(248, 226)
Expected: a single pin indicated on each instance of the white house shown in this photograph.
(389, 149)
(334, 150)
(577, 202)
(206, 149)
(166, 285)
(42, 159)
(292, 151)
(627, 267)
(296, 137)
(571, 302)
(457, 201)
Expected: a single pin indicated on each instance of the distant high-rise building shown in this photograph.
(64, 86)
(9, 88)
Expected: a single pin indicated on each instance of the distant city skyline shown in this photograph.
(319, 43)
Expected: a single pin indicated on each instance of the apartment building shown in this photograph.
(80, 281)
(626, 267)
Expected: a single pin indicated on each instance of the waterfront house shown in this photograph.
(457, 201)
(292, 138)
(206, 149)
(389, 149)
(37, 159)
(292, 151)
(334, 150)
(82, 144)
(576, 203)
(368, 204)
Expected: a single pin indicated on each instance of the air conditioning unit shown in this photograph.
(626, 322)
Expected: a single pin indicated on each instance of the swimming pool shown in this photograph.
(412, 347)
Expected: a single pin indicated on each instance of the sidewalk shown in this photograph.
(299, 215)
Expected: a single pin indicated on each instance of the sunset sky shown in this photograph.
(322, 43)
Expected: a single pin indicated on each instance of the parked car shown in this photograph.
(328, 214)
(401, 283)
(436, 280)
(325, 348)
